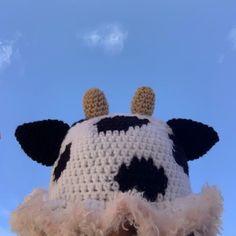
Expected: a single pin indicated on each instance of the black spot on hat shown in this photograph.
(120, 123)
(61, 165)
(143, 176)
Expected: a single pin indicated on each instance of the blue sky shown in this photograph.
(51, 52)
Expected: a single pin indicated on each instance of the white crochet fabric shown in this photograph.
(95, 159)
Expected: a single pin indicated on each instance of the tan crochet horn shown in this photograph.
(95, 103)
(143, 101)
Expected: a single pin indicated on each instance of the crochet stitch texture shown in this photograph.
(95, 158)
(113, 170)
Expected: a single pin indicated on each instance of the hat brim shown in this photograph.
(197, 213)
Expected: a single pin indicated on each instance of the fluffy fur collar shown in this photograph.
(197, 213)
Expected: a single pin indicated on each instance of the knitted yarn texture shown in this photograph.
(110, 170)
(95, 159)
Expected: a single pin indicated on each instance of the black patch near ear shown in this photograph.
(194, 137)
(61, 165)
(41, 140)
(179, 154)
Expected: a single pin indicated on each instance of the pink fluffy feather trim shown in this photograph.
(198, 213)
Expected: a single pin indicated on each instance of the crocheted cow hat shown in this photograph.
(118, 174)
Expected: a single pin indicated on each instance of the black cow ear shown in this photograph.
(41, 140)
(194, 137)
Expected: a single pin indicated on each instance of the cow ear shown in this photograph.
(41, 140)
(194, 137)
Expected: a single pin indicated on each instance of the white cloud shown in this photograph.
(232, 38)
(109, 37)
(6, 52)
